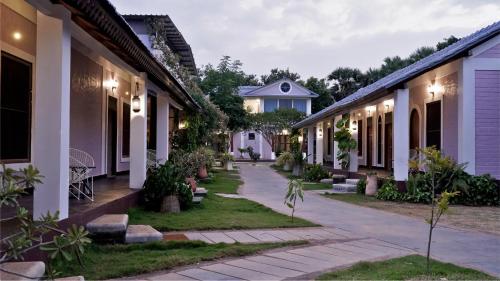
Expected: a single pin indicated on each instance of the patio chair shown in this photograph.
(81, 164)
(152, 161)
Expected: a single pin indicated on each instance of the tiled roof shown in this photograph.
(456, 50)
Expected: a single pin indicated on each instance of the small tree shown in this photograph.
(443, 173)
(64, 246)
(345, 142)
(295, 189)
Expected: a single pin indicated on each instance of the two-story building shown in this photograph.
(281, 94)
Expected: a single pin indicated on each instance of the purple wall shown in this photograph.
(487, 122)
(493, 52)
(86, 107)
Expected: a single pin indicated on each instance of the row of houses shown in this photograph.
(450, 100)
(78, 75)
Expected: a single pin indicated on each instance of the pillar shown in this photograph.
(242, 142)
(260, 147)
(310, 145)
(138, 142)
(401, 135)
(52, 118)
(336, 163)
(319, 143)
(162, 128)
(353, 154)
(467, 116)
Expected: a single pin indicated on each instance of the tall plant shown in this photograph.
(345, 142)
(295, 190)
(64, 246)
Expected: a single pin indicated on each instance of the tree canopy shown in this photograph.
(320, 87)
(277, 74)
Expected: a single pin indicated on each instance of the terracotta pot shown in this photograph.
(228, 166)
(192, 183)
(371, 185)
(202, 172)
(170, 204)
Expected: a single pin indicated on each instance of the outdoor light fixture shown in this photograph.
(113, 85)
(301, 138)
(17, 35)
(388, 103)
(354, 125)
(182, 125)
(434, 88)
(369, 109)
(285, 132)
(136, 101)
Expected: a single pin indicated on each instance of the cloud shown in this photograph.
(312, 37)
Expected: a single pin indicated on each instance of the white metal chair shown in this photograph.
(81, 164)
(152, 161)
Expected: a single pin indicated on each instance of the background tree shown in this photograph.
(345, 81)
(277, 74)
(320, 87)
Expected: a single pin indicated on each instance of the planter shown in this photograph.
(170, 204)
(287, 167)
(202, 172)
(371, 185)
(298, 170)
(192, 183)
(228, 166)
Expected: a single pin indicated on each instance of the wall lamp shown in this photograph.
(434, 88)
(136, 101)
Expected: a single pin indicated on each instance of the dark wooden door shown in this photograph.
(388, 141)
(369, 142)
(414, 129)
(433, 124)
(112, 135)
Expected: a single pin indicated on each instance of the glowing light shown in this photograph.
(434, 88)
(17, 35)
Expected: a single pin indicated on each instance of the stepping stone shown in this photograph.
(241, 237)
(239, 272)
(338, 178)
(344, 188)
(198, 236)
(202, 274)
(33, 269)
(352, 181)
(328, 181)
(218, 237)
(142, 234)
(197, 199)
(71, 278)
(225, 195)
(170, 276)
(200, 192)
(265, 268)
(108, 224)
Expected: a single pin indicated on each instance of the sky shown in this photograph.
(313, 37)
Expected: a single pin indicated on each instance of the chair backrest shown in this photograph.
(81, 157)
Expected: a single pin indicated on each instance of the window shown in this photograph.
(285, 87)
(300, 105)
(15, 109)
(270, 105)
(126, 130)
(285, 103)
(433, 124)
(251, 136)
(360, 137)
(379, 140)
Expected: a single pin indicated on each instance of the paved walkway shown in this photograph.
(467, 248)
(268, 235)
(298, 263)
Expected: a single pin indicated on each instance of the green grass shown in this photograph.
(405, 268)
(112, 261)
(217, 212)
(286, 174)
(353, 198)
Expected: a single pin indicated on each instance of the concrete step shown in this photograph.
(328, 181)
(200, 192)
(32, 270)
(197, 199)
(71, 278)
(338, 178)
(344, 188)
(352, 181)
(142, 234)
(108, 228)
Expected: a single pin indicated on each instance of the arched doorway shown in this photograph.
(414, 129)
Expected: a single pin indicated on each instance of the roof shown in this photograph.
(175, 40)
(297, 90)
(101, 20)
(396, 79)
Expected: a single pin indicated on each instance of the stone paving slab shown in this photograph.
(317, 255)
(108, 224)
(298, 258)
(142, 234)
(201, 274)
(198, 236)
(239, 272)
(265, 268)
(285, 235)
(218, 237)
(241, 237)
(280, 263)
(171, 276)
(263, 236)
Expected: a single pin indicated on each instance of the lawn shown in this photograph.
(484, 219)
(307, 185)
(112, 261)
(405, 268)
(217, 212)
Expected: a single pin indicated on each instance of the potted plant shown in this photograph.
(204, 159)
(285, 160)
(242, 151)
(371, 183)
(298, 164)
(254, 156)
(345, 143)
(160, 188)
(187, 166)
(227, 160)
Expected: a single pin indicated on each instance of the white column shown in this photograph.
(51, 122)
(260, 146)
(138, 142)
(319, 143)
(336, 163)
(353, 154)
(310, 145)
(162, 113)
(332, 143)
(401, 135)
(466, 116)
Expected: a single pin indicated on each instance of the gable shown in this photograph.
(281, 88)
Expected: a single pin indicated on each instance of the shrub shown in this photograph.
(481, 191)
(361, 186)
(203, 156)
(418, 190)
(285, 158)
(315, 172)
(162, 181)
(388, 191)
(185, 196)
(254, 156)
(226, 157)
(184, 162)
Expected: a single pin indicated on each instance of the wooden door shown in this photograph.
(414, 130)
(388, 141)
(369, 142)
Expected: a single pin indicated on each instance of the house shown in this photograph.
(450, 99)
(74, 74)
(281, 94)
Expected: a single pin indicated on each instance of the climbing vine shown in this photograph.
(345, 142)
